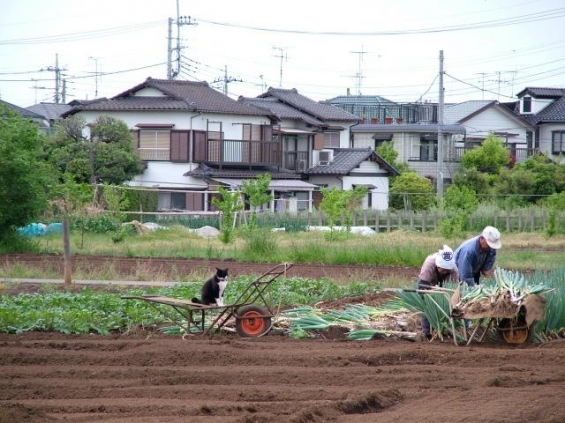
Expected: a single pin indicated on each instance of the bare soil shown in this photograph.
(147, 377)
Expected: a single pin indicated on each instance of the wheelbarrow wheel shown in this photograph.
(252, 320)
(515, 331)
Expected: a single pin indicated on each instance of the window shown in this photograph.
(527, 105)
(428, 150)
(331, 139)
(558, 142)
(154, 141)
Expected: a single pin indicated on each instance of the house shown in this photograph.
(417, 144)
(544, 110)
(352, 167)
(315, 139)
(481, 117)
(37, 118)
(193, 139)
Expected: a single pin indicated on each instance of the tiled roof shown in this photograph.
(319, 110)
(281, 110)
(205, 171)
(25, 113)
(51, 111)
(540, 92)
(555, 112)
(347, 159)
(178, 95)
(457, 112)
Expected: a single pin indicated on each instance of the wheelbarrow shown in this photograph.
(252, 313)
(513, 321)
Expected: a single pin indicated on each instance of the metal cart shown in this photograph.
(251, 311)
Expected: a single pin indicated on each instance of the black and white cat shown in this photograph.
(213, 289)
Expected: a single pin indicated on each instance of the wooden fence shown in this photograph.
(386, 221)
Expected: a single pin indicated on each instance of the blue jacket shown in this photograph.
(471, 262)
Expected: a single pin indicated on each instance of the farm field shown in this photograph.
(147, 376)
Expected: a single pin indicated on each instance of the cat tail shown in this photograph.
(196, 300)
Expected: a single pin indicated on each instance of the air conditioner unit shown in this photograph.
(325, 157)
(301, 165)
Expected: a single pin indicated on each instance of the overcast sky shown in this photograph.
(492, 48)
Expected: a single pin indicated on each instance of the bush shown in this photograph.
(100, 224)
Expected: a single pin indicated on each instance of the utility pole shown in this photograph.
(57, 72)
(95, 75)
(180, 21)
(284, 57)
(35, 87)
(226, 80)
(440, 129)
(359, 75)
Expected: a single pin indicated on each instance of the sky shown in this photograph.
(492, 49)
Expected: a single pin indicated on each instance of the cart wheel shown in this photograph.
(252, 320)
(515, 331)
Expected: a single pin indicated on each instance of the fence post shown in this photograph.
(365, 220)
(519, 221)
(435, 220)
(424, 220)
(388, 220)
(532, 221)
(495, 219)
(507, 220)
(377, 220)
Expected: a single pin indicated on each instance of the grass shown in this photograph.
(521, 251)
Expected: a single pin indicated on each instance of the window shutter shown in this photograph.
(179, 146)
(319, 141)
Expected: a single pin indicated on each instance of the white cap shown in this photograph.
(445, 259)
(492, 237)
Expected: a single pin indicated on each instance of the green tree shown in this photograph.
(229, 205)
(24, 178)
(410, 191)
(387, 151)
(490, 157)
(257, 195)
(106, 156)
(460, 202)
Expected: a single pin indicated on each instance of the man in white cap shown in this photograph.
(437, 268)
(476, 256)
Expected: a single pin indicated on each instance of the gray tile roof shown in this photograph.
(25, 113)
(319, 110)
(281, 110)
(205, 171)
(555, 112)
(347, 159)
(458, 112)
(179, 95)
(51, 111)
(540, 92)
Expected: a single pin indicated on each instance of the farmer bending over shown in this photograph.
(476, 256)
(437, 268)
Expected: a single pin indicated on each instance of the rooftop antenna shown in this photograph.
(95, 74)
(359, 75)
(282, 55)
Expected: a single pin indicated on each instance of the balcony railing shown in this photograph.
(238, 152)
(518, 154)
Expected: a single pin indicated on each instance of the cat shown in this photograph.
(213, 289)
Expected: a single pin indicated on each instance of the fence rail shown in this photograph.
(386, 221)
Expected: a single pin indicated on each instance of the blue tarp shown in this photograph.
(40, 229)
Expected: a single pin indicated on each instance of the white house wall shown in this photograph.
(545, 139)
(231, 124)
(379, 194)
(493, 120)
(168, 175)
